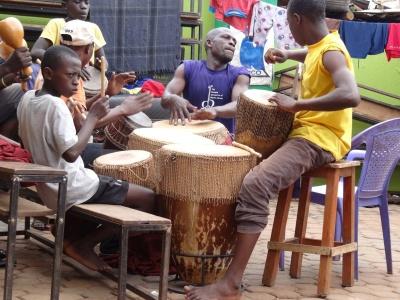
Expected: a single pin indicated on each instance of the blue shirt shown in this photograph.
(208, 88)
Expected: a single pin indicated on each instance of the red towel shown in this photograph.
(13, 152)
(154, 87)
(393, 44)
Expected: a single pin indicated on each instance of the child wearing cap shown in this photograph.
(76, 10)
(47, 130)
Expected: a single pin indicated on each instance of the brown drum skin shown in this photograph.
(261, 125)
(198, 188)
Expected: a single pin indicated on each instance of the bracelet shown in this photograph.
(3, 83)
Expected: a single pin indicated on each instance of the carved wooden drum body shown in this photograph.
(198, 185)
(260, 124)
(117, 132)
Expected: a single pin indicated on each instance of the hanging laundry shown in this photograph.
(266, 16)
(236, 13)
(362, 38)
(393, 43)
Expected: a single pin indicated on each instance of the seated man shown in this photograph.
(48, 132)
(209, 88)
(11, 92)
(320, 134)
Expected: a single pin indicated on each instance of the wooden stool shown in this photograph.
(326, 247)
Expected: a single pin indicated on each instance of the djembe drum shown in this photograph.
(199, 185)
(92, 86)
(152, 139)
(133, 166)
(212, 130)
(260, 124)
(117, 132)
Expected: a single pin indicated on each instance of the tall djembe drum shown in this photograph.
(260, 124)
(198, 185)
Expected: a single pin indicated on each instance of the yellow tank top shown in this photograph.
(331, 130)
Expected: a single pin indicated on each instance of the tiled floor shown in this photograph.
(32, 274)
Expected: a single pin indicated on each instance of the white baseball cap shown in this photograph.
(76, 33)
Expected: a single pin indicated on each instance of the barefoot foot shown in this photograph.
(86, 256)
(222, 290)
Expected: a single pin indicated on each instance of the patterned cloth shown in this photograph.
(266, 17)
(141, 35)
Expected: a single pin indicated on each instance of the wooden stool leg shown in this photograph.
(348, 229)
(328, 231)
(123, 263)
(301, 225)
(166, 245)
(277, 235)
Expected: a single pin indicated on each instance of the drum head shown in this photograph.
(259, 96)
(207, 150)
(93, 85)
(171, 136)
(140, 120)
(122, 158)
(195, 126)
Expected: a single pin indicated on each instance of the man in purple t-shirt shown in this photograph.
(208, 88)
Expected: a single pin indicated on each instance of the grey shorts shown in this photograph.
(110, 191)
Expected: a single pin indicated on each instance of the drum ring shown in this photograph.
(203, 257)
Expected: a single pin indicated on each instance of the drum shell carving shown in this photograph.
(199, 193)
(263, 127)
(117, 132)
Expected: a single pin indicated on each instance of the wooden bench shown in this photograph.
(14, 206)
(127, 220)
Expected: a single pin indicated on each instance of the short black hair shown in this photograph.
(55, 55)
(311, 9)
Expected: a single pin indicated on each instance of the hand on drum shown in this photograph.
(180, 108)
(134, 104)
(284, 102)
(204, 114)
(274, 55)
(99, 108)
(118, 81)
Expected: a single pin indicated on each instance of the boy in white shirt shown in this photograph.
(47, 130)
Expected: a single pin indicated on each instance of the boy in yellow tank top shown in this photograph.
(321, 133)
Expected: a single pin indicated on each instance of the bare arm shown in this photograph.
(130, 106)
(40, 47)
(297, 54)
(97, 56)
(274, 55)
(97, 111)
(173, 100)
(344, 95)
(229, 110)
(174, 88)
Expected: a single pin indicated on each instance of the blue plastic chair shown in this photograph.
(381, 155)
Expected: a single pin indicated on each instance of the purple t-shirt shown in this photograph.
(208, 88)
